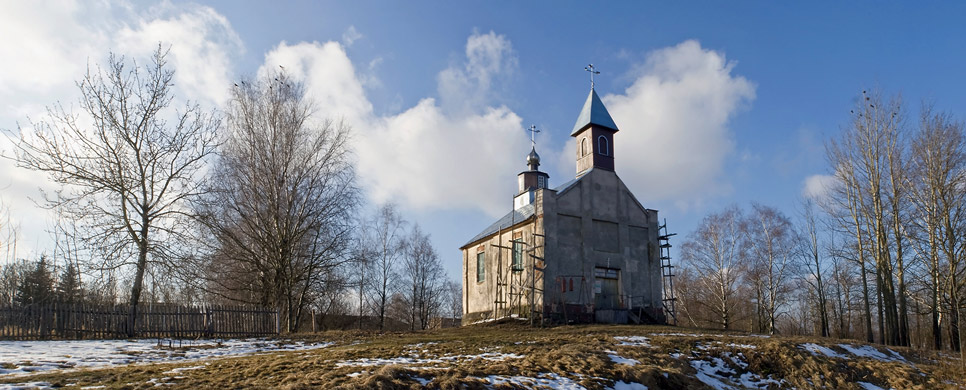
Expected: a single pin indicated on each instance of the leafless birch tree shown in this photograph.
(771, 248)
(810, 253)
(384, 238)
(716, 254)
(425, 277)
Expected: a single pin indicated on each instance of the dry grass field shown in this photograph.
(513, 356)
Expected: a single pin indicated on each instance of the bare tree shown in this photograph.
(128, 164)
(9, 235)
(771, 245)
(453, 299)
(810, 251)
(716, 254)
(384, 237)
(424, 275)
(866, 161)
(938, 163)
(281, 199)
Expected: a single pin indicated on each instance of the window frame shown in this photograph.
(517, 259)
(603, 148)
(480, 267)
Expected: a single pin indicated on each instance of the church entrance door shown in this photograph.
(606, 288)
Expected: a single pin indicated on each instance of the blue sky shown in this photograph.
(718, 103)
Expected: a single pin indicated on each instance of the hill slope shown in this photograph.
(511, 356)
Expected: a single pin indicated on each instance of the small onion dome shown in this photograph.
(533, 159)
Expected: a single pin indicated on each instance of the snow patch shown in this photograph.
(867, 351)
(869, 386)
(614, 357)
(46, 355)
(718, 374)
(816, 350)
(621, 385)
(409, 361)
(634, 341)
(24, 386)
(183, 369)
(546, 380)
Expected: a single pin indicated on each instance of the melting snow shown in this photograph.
(816, 349)
(422, 381)
(614, 357)
(635, 341)
(33, 356)
(733, 345)
(869, 386)
(489, 356)
(546, 380)
(720, 376)
(28, 385)
(621, 385)
(870, 352)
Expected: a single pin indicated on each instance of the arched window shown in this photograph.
(583, 147)
(602, 146)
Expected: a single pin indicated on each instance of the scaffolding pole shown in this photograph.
(667, 270)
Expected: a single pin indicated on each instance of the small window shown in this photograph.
(602, 146)
(480, 267)
(541, 182)
(517, 256)
(583, 147)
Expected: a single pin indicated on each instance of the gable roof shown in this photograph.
(512, 218)
(593, 113)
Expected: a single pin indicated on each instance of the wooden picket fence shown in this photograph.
(75, 321)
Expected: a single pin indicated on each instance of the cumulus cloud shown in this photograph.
(817, 187)
(55, 42)
(426, 156)
(674, 138)
(464, 87)
(329, 75)
(202, 44)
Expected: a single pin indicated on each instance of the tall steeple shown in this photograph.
(532, 179)
(594, 131)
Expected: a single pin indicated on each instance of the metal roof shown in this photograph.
(595, 113)
(512, 218)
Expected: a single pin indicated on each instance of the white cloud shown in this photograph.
(425, 157)
(50, 46)
(350, 36)
(674, 139)
(465, 87)
(202, 44)
(330, 78)
(817, 187)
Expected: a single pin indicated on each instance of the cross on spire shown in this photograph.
(593, 70)
(533, 135)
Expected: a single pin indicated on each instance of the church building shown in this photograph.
(584, 251)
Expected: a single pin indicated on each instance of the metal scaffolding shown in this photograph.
(667, 271)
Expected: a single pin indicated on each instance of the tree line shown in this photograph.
(879, 256)
(255, 204)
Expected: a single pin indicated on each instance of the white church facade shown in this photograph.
(584, 251)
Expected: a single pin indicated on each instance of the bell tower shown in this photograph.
(594, 132)
(530, 180)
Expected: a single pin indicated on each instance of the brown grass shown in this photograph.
(446, 357)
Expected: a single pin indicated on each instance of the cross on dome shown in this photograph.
(533, 133)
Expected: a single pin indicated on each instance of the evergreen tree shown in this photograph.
(37, 285)
(69, 288)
